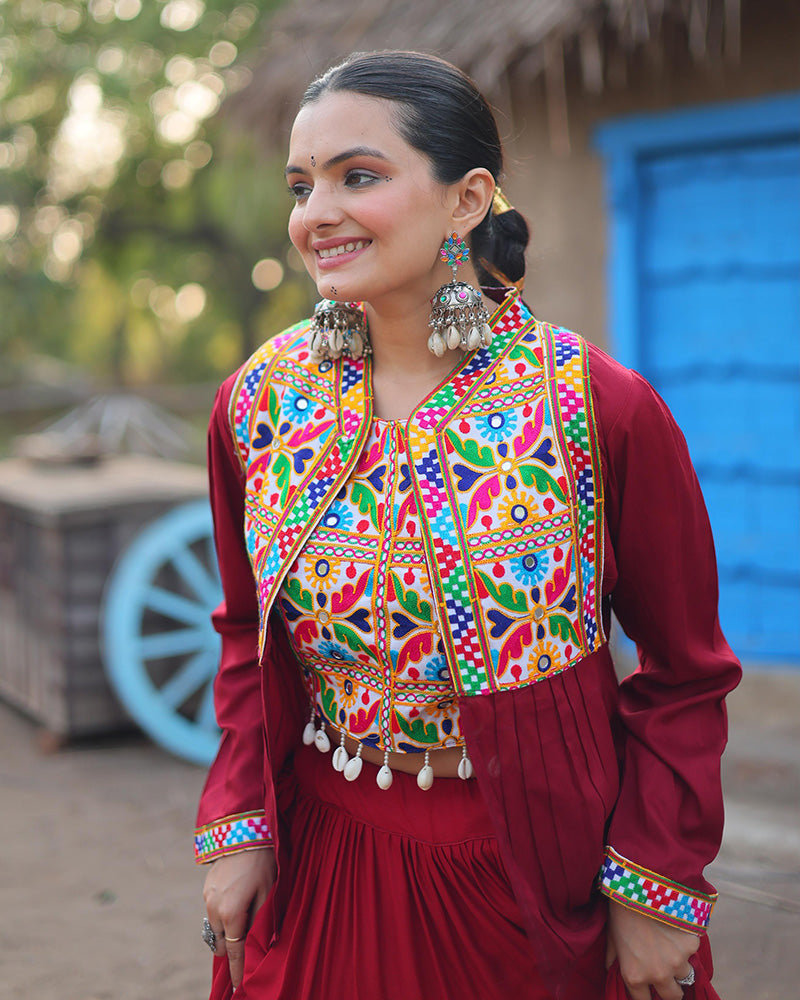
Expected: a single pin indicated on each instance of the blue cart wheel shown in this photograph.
(161, 651)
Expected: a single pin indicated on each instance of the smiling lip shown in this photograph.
(331, 252)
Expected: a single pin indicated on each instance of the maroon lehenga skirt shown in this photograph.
(393, 895)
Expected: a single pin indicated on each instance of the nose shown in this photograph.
(321, 208)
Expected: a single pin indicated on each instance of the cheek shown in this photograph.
(297, 231)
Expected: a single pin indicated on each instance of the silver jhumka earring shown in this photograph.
(338, 328)
(458, 315)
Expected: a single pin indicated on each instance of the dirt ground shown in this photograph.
(100, 898)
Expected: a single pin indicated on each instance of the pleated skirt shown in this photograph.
(393, 895)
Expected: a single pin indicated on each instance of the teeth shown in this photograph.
(343, 248)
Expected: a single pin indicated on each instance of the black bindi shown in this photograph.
(313, 161)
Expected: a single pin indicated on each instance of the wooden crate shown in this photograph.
(61, 531)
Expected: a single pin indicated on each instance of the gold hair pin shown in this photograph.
(500, 203)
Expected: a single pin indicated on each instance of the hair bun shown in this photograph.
(509, 241)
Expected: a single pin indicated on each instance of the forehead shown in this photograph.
(343, 120)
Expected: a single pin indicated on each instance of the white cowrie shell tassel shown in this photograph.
(465, 769)
(321, 741)
(356, 345)
(353, 767)
(340, 756)
(437, 345)
(453, 338)
(425, 776)
(385, 776)
(309, 733)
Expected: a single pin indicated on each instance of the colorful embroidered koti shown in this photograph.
(504, 463)
(628, 529)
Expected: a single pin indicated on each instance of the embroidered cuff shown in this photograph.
(643, 890)
(230, 835)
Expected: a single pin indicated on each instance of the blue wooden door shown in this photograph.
(720, 319)
(715, 287)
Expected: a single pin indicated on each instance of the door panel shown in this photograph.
(719, 337)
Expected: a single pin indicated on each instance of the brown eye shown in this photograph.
(360, 178)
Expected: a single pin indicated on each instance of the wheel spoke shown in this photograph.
(175, 643)
(196, 576)
(185, 681)
(175, 606)
(206, 716)
(161, 651)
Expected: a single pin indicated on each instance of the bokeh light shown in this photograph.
(9, 221)
(182, 15)
(267, 274)
(176, 175)
(190, 301)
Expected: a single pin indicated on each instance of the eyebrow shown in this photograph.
(348, 154)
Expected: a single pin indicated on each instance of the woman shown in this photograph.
(415, 792)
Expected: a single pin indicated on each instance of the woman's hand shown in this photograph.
(235, 887)
(650, 953)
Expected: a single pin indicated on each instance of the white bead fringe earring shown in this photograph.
(338, 328)
(458, 316)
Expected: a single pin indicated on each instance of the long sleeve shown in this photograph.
(231, 811)
(661, 574)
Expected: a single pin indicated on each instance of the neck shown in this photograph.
(404, 371)
(399, 331)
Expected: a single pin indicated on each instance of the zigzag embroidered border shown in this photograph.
(231, 834)
(643, 890)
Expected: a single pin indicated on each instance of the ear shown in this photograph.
(473, 197)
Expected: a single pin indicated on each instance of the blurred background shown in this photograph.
(654, 146)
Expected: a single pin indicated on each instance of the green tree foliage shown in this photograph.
(132, 214)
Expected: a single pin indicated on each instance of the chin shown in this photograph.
(344, 290)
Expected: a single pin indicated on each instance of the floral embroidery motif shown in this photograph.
(358, 606)
(504, 466)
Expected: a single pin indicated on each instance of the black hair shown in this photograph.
(441, 113)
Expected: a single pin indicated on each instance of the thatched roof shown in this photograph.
(498, 42)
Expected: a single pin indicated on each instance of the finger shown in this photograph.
(638, 992)
(261, 898)
(688, 975)
(234, 946)
(668, 989)
(210, 934)
(221, 949)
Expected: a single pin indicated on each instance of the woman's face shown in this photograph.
(369, 217)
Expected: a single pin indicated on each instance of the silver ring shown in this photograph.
(208, 935)
(687, 980)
